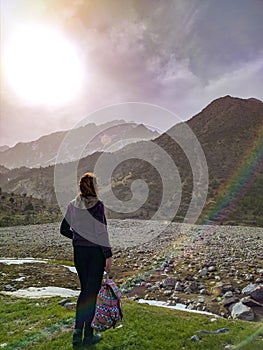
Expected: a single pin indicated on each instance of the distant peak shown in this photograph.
(228, 101)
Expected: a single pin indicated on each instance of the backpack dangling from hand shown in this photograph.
(108, 310)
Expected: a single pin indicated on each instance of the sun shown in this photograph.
(42, 66)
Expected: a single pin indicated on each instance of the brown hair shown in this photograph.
(87, 185)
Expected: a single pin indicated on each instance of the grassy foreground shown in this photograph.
(44, 324)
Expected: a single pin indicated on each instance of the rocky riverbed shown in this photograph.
(208, 268)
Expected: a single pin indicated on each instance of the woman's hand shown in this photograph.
(108, 263)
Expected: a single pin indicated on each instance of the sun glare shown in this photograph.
(42, 67)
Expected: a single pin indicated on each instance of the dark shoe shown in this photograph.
(89, 341)
(77, 338)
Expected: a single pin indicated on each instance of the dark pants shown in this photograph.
(89, 263)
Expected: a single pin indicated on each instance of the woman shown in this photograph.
(86, 225)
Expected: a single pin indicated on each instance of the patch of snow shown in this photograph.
(21, 261)
(31, 260)
(181, 307)
(71, 268)
(43, 292)
(19, 279)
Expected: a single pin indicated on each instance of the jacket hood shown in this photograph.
(84, 203)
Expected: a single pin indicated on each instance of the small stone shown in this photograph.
(70, 306)
(176, 298)
(211, 269)
(195, 338)
(188, 290)
(190, 307)
(64, 301)
(169, 282)
(203, 291)
(178, 287)
(217, 291)
(193, 286)
(248, 277)
(8, 287)
(203, 272)
(201, 299)
(153, 288)
(168, 292)
(228, 294)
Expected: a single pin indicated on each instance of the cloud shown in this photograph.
(177, 54)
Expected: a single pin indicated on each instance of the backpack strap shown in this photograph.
(115, 290)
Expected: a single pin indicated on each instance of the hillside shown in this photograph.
(230, 133)
(18, 209)
(88, 138)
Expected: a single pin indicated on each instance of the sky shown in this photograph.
(176, 54)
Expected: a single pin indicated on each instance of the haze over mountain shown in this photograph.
(84, 140)
(230, 133)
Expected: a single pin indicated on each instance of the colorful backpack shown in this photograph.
(108, 310)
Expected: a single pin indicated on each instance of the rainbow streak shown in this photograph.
(240, 181)
(234, 189)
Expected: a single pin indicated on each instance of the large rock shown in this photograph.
(229, 301)
(255, 291)
(242, 312)
(169, 283)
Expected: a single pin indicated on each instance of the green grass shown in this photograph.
(45, 325)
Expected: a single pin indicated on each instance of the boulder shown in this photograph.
(255, 291)
(250, 302)
(228, 301)
(242, 312)
(257, 294)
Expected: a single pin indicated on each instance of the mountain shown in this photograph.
(3, 148)
(230, 133)
(88, 139)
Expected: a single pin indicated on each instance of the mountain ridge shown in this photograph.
(224, 140)
(43, 151)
